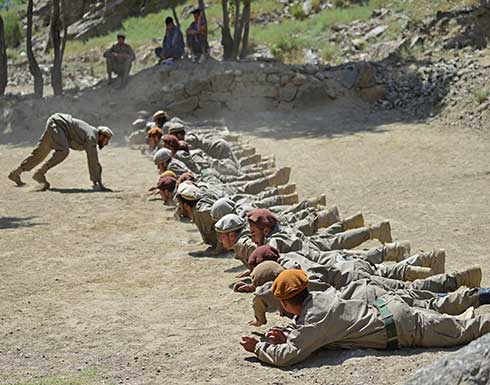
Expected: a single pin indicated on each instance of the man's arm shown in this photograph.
(94, 168)
(301, 342)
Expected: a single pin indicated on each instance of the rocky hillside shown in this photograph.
(427, 58)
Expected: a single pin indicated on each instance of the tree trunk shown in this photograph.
(56, 76)
(227, 40)
(237, 35)
(246, 28)
(3, 59)
(33, 65)
(176, 18)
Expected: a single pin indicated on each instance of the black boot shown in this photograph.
(484, 295)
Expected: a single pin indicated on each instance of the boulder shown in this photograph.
(467, 366)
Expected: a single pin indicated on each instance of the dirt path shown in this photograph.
(101, 288)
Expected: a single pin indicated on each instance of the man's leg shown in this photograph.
(448, 303)
(110, 68)
(433, 329)
(345, 240)
(38, 154)
(442, 283)
(59, 143)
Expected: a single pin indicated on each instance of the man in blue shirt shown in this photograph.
(197, 37)
(173, 42)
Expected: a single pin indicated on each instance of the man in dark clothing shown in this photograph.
(173, 43)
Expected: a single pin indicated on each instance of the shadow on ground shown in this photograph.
(338, 357)
(17, 222)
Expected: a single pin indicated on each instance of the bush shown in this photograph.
(13, 28)
(297, 12)
(316, 5)
(287, 49)
(481, 94)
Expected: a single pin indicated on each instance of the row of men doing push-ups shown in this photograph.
(301, 258)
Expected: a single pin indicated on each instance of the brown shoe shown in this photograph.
(280, 177)
(416, 272)
(381, 232)
(41, 179)
(326, 218)
(14, 176)
(353, 222)
(470, 277)
(397, 251)
(287, 189)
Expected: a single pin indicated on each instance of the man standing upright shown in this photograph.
(63, 133)
(119, 59)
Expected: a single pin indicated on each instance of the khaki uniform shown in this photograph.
(201, 217)
(177, 167)
(338, 269)
(244, 246)
(119, 59)
(286, 240)
(366, 290)
(63, 133)
(215, 147)
(327, 321)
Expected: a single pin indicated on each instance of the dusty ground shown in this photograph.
(102, 288)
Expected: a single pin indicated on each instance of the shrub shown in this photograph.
(481, 94)
(297, 12)
(13, 28)
(287, 49)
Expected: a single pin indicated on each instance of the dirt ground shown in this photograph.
(106, 288)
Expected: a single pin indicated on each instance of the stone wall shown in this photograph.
(212, 89)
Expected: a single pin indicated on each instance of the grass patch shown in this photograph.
(13, 27)
(481, 94)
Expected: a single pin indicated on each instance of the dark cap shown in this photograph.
(196, 10)
(169, 20)
(121, 34)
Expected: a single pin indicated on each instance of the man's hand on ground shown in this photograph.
(276, 336)
(255, 323)
(249, 343)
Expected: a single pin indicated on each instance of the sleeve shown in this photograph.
(243, 249)
(94, 168)
(108, 52)
(260, 308)
(205, 224)
(132, 55)
(302, 342)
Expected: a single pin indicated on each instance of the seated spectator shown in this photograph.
(119, 59)
(173, 43)
(197, 37)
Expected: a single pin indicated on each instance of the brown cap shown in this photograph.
(289, 284)
(172, 142)
(265, 272)
(262, 218)
(167, 183)
(155, 131)
(263, 253)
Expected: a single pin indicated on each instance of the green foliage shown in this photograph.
(13, 28)
(288, 49)
(481, 94)
(297, 12)
(329, 53)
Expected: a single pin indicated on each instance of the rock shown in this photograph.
(288, 93)
(469, 366)
(375, 32)
(387, 49)
(183, 106)
(366, 76)
(311, 57)
(195, 87)
(307, 7)
(373, 94)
